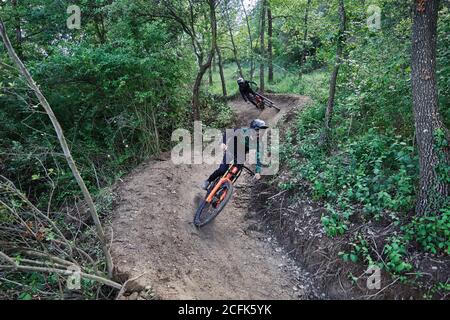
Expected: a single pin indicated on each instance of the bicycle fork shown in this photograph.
(226, 177)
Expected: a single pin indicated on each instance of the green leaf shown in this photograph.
(25, 296)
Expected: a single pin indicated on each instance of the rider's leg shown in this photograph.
(218, 172)
(251, 98)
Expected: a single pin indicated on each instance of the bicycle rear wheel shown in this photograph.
(207, 211)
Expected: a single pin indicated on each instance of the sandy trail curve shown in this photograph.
(153, 232)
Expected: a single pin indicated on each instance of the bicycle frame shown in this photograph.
(231, 175)
(263, 97)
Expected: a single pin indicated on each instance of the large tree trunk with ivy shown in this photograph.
(269, 44)
(64, 146)
(430, 131)
(261, 45)
(334, 74)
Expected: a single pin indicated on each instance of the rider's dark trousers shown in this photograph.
(220, 171)
(251, 97)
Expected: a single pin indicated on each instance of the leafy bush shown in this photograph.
(215, 112)
(432, 232)
(395, 250)
(374, 172)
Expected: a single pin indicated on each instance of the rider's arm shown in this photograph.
(250, 87)
(258, 157)
(258, 161)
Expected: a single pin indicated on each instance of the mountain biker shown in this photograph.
(256, 125)
(246, 91)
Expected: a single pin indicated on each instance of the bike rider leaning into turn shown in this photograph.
(246, 91)
(244, 142)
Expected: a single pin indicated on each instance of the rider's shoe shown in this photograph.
(205, 185)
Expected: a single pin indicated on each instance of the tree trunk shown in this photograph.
(64, 146)
(18, 29)
(334, 74)
(233, 44)
(305, 37)
(222, 76)
(427, 119)
(210, 77)
(204, 66)
(269, 43)
(196, 93)
(261, 44)
(252, 64)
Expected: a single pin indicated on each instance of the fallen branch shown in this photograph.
(102, 280)
(8, 259)
(274, 196)
(124, 286)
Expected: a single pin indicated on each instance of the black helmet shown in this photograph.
(240, 80)
(258, 124)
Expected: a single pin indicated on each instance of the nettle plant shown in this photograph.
(395, 251)
(360, 249)
(373, 175)
(431, 231)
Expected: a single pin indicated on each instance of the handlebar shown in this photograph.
(248, 169)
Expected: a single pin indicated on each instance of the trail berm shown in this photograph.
(155, 240)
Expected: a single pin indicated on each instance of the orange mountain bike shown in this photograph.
(262, 102)
(218, 195)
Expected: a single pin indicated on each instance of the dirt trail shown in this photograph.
(153, 233)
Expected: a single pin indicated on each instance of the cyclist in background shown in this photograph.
(246, 91)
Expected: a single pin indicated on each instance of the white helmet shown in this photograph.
(240, 80)
(258, 124)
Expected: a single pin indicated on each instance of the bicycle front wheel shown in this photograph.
(207, 211)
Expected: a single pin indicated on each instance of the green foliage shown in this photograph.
(371, 172)
(286, 80)
(443, 63)
(431, 231)
(374, 172)
(215, 112)
(360, 249)
(117, 102)
(443, 168)
(395, 250)
(122, 84)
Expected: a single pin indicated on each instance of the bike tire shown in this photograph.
(199, 219)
